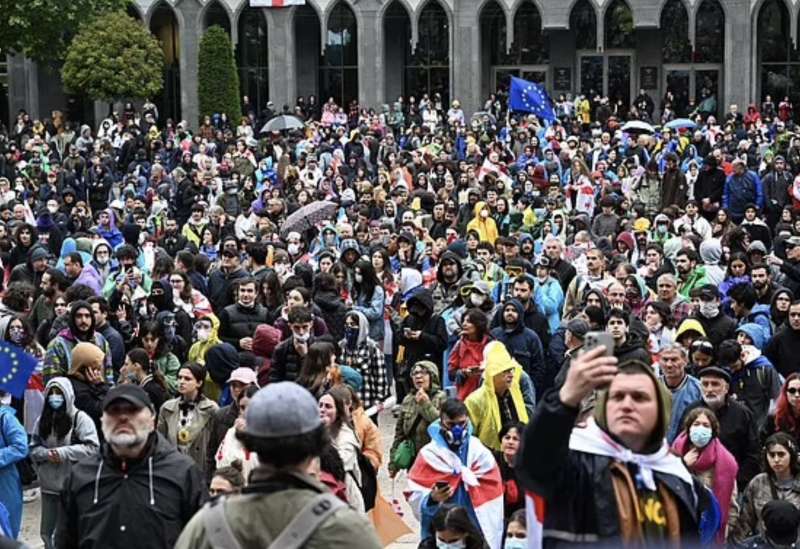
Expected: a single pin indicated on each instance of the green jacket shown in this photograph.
(259, 516)
(696, 279)
(410, 410)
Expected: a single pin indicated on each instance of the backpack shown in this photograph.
(293, 536)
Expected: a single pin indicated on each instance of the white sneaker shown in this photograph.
(31, 495)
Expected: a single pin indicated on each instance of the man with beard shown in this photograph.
(33, 269)
(238, 322)
(138, 492)
(761, 277)
(448, 278)
(53, 285)
(737, 430)
(690, 276)
(173, 241)
(80, 327)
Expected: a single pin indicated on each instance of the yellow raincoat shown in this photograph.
(197, 353)
(486, 228)
(482, 405)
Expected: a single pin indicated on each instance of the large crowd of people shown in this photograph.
(563, 319)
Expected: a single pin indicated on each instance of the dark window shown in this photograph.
(428, 68)
(251, 55)
(709, 40)
(216, 15)
(583, 24)
(675, 29)
(619, 26)
(338, 71)
(164, 27)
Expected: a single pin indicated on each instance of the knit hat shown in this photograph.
(86, 354)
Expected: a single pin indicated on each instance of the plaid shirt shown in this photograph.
(367, 359)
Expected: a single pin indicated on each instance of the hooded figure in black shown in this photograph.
(523, 345)
(160, 300)
(422, 336)
(22, 243)
(709, 186)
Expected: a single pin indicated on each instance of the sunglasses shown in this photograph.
(793, 391)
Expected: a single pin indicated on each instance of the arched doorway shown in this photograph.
(676, 54)
(778, 60)
(428, 69)
(216, 15)
(307, 50)
(338, 68)
(529, 55)
(252, 58)
(397, 49)
(164, 26)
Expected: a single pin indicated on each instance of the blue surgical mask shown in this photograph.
(55, 401)
(700, 435)
(516, 543)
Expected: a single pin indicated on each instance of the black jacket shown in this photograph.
(89, 398)
(717, 329)
(220, 287)
(710, 184)
(632, 349)
(332, 310)
(286, 361)
(577, 486)
(565, 272)
(221, 420)
(783, 350)
(146, 506)
(433, 340)
(236, 322)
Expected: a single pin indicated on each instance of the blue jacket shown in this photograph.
(14, 448)
(687, 394)
(741, 190)
(525, 346)
(549, 298)
(760, 315)
(373, 310)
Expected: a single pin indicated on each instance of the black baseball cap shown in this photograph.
(128, 392)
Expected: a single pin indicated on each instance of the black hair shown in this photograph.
(197, 370)
(187, 258)
(663, 311)
(744, 294)
(369, 280)
(478, 319)
(789, 443)
(456, 519)
(281, 452)
(233, 474)
(690, 253)
(78, 292)
(155, 328)
(126, 251)
(58, 279)
(620, 314)
(75, 257)
(452, 407)
(299, 315)
(52, 421)
(518, 425)
(101, 302)
(258, 252)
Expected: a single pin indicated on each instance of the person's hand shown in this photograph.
(421, 397)
(239, 423)
(691, 457)
(590, 371)
(442, 495)
(53, 457)
(94, 376)
(772, 259)
(246, 343)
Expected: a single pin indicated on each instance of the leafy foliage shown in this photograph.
(114, 57)
(218, 80)
(42, 29)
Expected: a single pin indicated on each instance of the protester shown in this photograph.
(452, 527)
(284, 428)
(109, 497)
(64, 435)
(567, 472)
(14, 449)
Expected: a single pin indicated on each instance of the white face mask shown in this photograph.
(52, 209)
(358, 278)
(293, 249)
(460, 544)
(516, 543)
(203, 334)
(476, 299)
(709, 309)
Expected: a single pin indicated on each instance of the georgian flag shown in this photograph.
(480, 476)
(498, 170)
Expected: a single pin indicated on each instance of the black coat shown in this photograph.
(222, 419)
(146, 506)
(237, 322)
(565, 272)
(433, 340)
(717, 329)
(783, 350)
(89, 398)
(286, 361)
(577, 486)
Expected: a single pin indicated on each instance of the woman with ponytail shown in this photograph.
(139, 369)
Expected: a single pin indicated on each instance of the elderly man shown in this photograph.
(597, 478)
(685, 389)
(667, 291)
(563, 270)
(138, 492)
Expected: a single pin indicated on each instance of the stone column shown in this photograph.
(22, 86)
(371, 71)
(465, 61)
(190, 35)
(739, 57)
(281, 55)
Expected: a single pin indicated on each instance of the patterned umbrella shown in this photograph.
(309, 215)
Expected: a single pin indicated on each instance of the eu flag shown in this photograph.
(530, 97)
(16, 367)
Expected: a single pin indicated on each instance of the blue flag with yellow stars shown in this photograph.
(16, 367)
(530, 97)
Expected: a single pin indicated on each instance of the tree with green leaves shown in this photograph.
(218, 81)
(114, 57)
(42, 29)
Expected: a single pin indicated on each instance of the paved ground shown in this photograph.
(30, 519)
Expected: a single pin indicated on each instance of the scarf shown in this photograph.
(715, 456)
(593, 440)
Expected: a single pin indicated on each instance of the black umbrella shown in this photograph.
(283, 122)
(309, 215)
